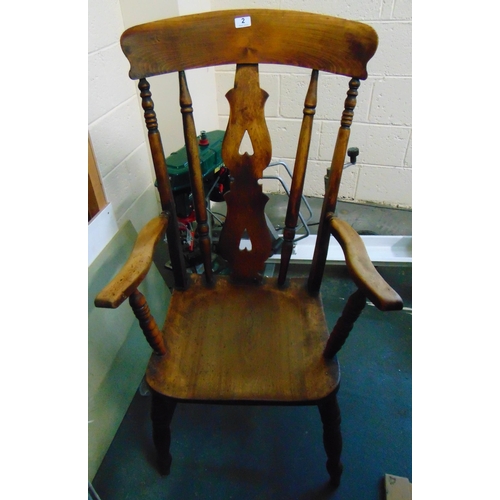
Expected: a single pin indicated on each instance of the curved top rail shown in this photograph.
(286, 37)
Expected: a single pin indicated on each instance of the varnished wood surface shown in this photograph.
(195, 174)
(156, 146)
(330, 200)
(353, 308)
(361, 269)
(162, 411)
(147, 323)
(96, 197)
(164, 188)
(275, 36)
(332, 437)
(299, 174)
(246, 338)
(245, 200)
(136, 267)
(244, 342)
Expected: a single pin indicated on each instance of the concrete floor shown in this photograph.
(364, 218)
(241, 452)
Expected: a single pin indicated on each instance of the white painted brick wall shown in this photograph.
(114, 119)
(382, 120)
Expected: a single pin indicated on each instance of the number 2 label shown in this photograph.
(243, 22)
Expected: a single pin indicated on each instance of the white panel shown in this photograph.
(101, 229)
(395, 250)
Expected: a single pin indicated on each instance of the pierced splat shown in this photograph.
(245, 200)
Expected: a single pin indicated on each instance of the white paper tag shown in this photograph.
(243, 22)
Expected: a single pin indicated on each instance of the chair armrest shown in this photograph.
(137, 266)
(361, 269)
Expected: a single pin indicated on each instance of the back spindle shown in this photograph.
(330, 201)
(164, 188)
(299, 172)
(196, 176)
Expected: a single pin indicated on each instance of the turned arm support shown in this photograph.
(136, 267)
(361, 269)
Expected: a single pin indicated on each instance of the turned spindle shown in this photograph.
(330, 201)
(164, 188)
(195, 175)
(345, 323)
(147, 322)
(299, 173)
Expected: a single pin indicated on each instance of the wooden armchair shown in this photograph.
(244, 338)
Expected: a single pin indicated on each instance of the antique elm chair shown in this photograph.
(244, 338)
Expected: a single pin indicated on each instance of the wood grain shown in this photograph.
(147, 323)
(275, 36)
(353, 308)
(361, 269)
(136, 267)
(244, 342)
(330, 200)
(245, 200)
(299, 174)
(247, 338)
(163, 182)
(195, 175)
(96, 197)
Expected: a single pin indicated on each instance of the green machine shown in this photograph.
(215, 175)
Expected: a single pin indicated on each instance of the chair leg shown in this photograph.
(162, 411)
(332, 437)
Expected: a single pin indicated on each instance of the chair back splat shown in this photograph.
(245, 338)
(245, 199)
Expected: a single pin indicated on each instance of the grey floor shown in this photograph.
(263, 452)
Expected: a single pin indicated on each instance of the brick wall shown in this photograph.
(114, 115)
(382, 121)
(381, 128)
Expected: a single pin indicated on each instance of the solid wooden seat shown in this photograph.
(247, 343)
(243, 338)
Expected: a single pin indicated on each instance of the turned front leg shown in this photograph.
(332, 437)
(162, 411)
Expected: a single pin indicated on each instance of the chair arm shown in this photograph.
(361, 269)
(137, 266)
